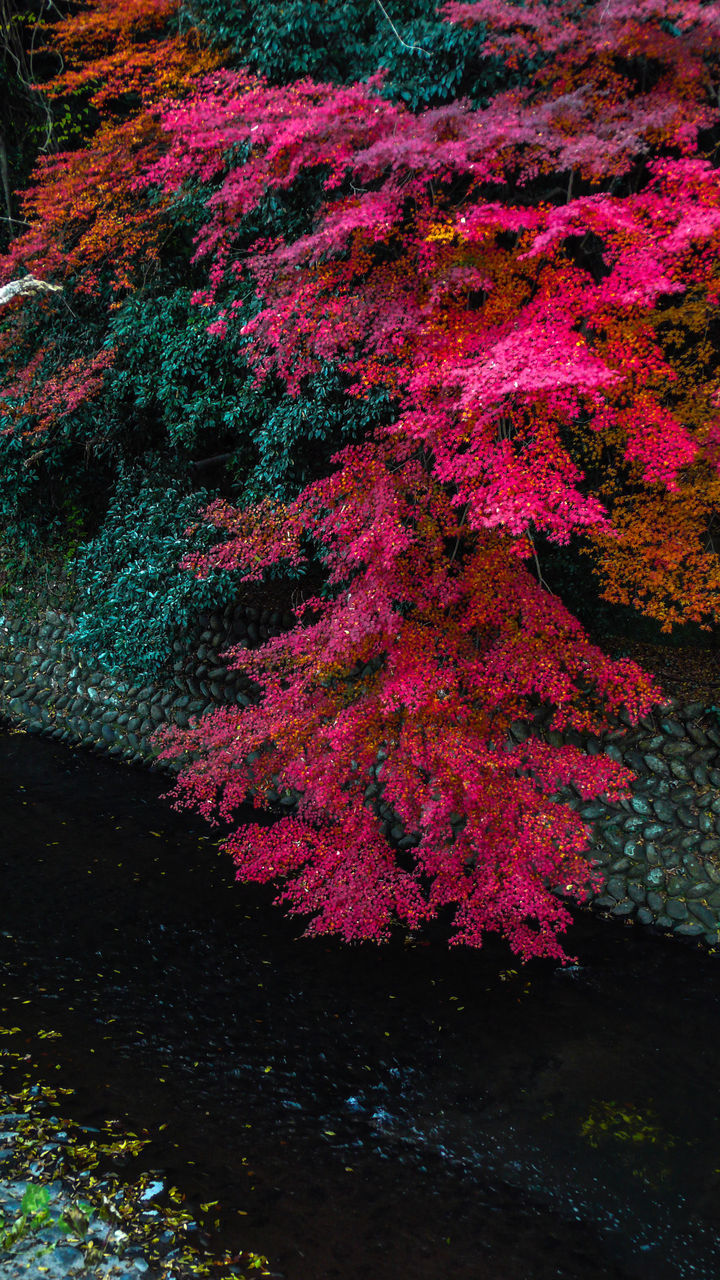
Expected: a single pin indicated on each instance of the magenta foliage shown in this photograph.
(400, 710)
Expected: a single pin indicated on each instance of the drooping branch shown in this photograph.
(532, 350)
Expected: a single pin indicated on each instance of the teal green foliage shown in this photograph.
(19, 513)
(179, 392)
(45, 499)
(448, 63)
(180, 386)
(190, 393)
(132, 596)
(295, 436)
(347, 40)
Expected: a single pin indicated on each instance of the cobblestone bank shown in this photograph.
(49, 689)
(659, 850)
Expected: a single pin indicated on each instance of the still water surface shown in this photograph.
(357, 1112)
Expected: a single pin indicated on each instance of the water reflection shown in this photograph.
(355, 1109)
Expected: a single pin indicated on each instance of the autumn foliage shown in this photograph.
(535, 284)
(87, 227)
(85, 219)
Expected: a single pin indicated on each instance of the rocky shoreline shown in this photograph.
(78, 1200)
(71, 1205)
(45, 1243)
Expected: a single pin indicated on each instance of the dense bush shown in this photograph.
(56, 448)
(132, 597)
(428, 61)
(193, 396)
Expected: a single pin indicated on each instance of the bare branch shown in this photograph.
(28, 284)
(5, 179)
(414, 47)
(12, 45)
(538, 570)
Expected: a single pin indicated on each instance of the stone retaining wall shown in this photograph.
(659, 850)
(50, 689)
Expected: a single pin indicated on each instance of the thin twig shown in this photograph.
(5, 180)
(416, 48)
(541, 580)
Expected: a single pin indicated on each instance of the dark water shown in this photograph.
(357, 1113)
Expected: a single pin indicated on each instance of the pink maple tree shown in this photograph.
(536, 345)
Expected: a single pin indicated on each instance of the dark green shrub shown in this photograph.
(191, 394)
(431, 63)
(132, 596)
